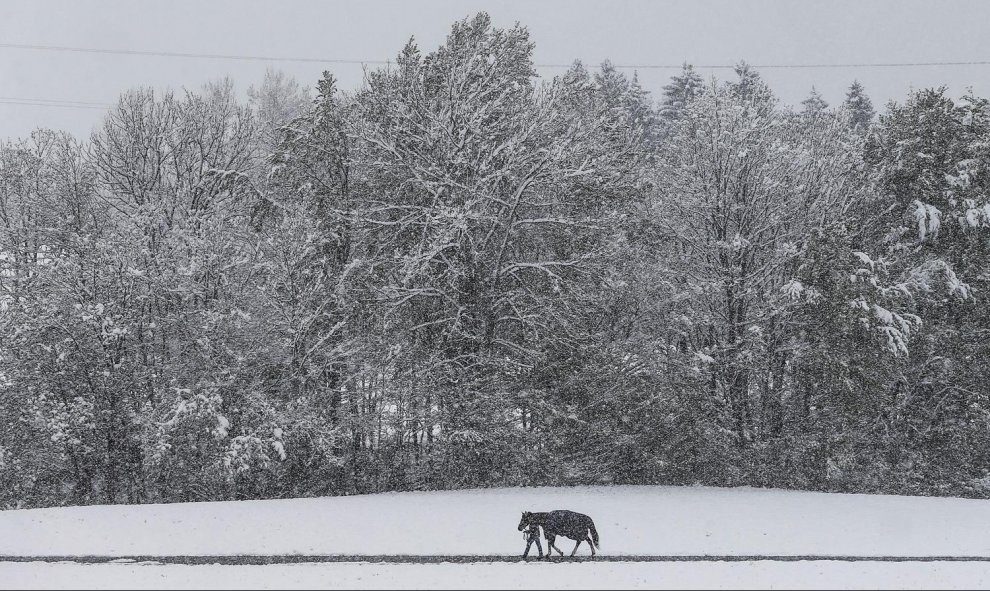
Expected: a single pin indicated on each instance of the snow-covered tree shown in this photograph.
(933, 168)
(461, 274)
(743, 188)
(814, 104)
(859, 105)
(749, 86)
(681, 90)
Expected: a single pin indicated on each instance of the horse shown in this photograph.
(575, 526)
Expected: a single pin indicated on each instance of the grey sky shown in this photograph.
(629, 32)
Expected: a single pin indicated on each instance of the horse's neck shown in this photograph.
(539, 518)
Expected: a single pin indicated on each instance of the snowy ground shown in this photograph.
(653, 575)
(632, 520)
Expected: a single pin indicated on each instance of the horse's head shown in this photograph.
(524, 521)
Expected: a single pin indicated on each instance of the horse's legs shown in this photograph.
(592, 544)
(574, 551)
(551, 546)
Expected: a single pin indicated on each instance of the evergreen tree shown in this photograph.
(930, 159)
(750, 88)
(860, 107)
(814, 104)
(680, 91)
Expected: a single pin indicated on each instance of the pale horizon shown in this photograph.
(626, 33)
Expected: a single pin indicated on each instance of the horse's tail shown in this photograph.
(594, 533)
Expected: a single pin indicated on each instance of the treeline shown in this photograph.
(462, 275)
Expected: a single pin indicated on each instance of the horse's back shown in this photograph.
(569, 520)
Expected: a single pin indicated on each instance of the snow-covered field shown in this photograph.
(632, 520)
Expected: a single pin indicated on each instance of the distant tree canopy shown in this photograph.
(461, 275)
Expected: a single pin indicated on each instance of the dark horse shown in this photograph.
(575, 526)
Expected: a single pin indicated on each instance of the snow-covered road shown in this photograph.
(616, 575)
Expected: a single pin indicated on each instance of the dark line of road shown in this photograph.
(258, 559)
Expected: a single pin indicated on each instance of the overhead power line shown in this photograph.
(56, 101)
(52, 103)
(799, 66)
(36, 102)
(384, 62)
(189, 55)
